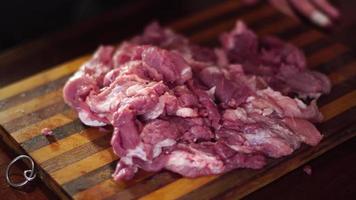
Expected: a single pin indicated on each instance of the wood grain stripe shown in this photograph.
(233, 178)
(178, 188)
(100, 191)
(257, 24)
(30, 106)
(51, 123)
(329, 111)
(338, 91)
(107, 187)
(261, 26)
(283, 23)
(214, 30)
(341, 122)
(316, 46)
(92, 178)
(76, 154)
(101, 175)
(292, 32)
(327, 66)
(309, 41)
(214, 11)
(235, 14)
(35, 117)
(42, 78)
(32, 93)
(146, 186)
(343, 73)
(143, 183)
(329, 53)
(339, 105)
(68, 143)
(84, 166)
(58, 133)
(305, 38)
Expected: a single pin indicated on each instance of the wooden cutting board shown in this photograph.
(77, 161)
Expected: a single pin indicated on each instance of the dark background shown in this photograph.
(22, 20)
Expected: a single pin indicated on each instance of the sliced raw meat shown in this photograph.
(195, 110)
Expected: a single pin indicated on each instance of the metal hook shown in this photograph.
(28, 174)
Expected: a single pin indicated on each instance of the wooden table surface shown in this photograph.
(334, 173)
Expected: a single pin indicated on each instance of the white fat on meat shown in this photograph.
(240, 114)
(237, 114)
(258, 137)
(269, 144)
(213, 70)
(293, 139)
(186, 71)
(260, 106)
(137, 152)
(198, 160)
(111, 101)
(157, 150)
(85, 118)
(156, 111)
(186, 112)
(301, 104)
(241, 148)
(134, 89)
(211, 92)
(267, 111)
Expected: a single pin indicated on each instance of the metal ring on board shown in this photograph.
(29, 174)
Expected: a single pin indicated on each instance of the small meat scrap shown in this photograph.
(196, 110)
(46, 132)
(308, 170)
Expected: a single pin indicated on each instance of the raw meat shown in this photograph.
(308, 170)
(195, 110)
(46, 131)
(281, 65)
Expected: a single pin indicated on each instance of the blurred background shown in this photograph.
(22, 21)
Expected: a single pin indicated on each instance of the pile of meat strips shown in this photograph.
(195, 110)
